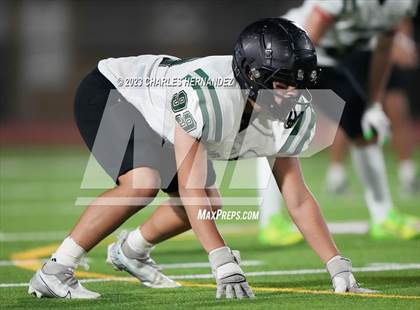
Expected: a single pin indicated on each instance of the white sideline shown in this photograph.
(351, 227)
(110, 201)
(32, 236)
(206, 264)
(374, 267)
(6, 263)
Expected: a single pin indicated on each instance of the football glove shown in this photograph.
(230, 278)
(342, 278)
(374, 118)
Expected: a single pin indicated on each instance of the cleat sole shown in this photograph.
(34, 292)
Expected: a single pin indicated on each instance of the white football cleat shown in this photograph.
(54, 280)
(142, 268)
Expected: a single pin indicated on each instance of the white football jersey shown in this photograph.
(204, 98)
(355, 22)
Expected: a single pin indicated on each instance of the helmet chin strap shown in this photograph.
(249, 89)
(288, 104)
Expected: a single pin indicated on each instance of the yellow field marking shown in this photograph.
(40, 252)
(306, 291)
(35, 255)
(326, 292)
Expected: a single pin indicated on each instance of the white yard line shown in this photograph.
(227, 201)
(6, 263)
(352, 227)
(370, 268)
(32, 236)
(206, 264)
(375, 267)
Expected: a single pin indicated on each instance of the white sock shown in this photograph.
(69, 253)
(137, 243)
(268, 191)
(407, 172)
(336, 175)
(370, 166)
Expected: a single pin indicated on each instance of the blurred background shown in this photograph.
(46, 48)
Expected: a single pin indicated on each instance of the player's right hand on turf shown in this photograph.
(340, 270)
(230, 278)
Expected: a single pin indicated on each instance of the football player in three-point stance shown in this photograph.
(404, 58)
(177, 137)
(343, 31)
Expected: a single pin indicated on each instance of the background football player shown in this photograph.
(405, 59)
(268, 57)
(342, 31)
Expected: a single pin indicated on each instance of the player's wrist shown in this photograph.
(405, 42)
(373, 104)
(221, 256)
(331, 257)
(337, 265)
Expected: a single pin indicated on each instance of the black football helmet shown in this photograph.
(274, 49)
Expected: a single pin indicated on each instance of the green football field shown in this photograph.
(40, 188)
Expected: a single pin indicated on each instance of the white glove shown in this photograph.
(374, 118)
(229, 276)
(343, 280)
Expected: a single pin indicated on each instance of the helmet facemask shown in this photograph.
(279, 103)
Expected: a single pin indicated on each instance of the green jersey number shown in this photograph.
(186, 121)
(179, 101)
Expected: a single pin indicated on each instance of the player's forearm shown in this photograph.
(303, 207)
(308, 218)
(317, 24)
(196, 204)
(380, 68)
(191, 159)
